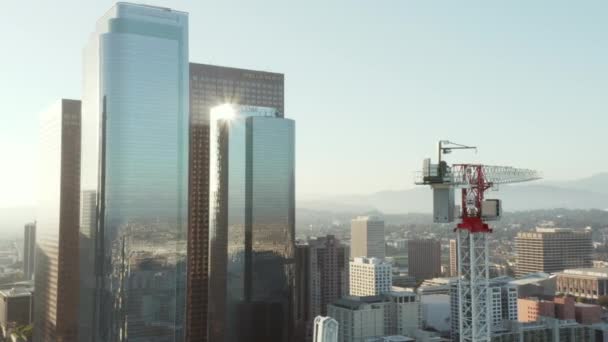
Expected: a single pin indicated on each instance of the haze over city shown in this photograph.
(372, 85)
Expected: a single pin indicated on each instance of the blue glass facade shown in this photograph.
(134, 175)
(251, 225)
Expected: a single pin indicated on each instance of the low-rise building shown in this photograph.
(585, 283)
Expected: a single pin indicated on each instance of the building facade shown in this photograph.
(587, 283)
(210, 86)
(367, 237)
(134, 176)
(424, 259)
(252, 225)
(370, 276)
(453, 258)
(325, 329)
(552, 250)
(29, 250)
(321, 277)
(16, 306)
(57, 268)
(362, 318)
(503, 304)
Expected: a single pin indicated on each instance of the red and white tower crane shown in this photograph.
(472, 231)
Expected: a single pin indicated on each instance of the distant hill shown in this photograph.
(587, 193)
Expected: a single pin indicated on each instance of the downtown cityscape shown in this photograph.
(170, 203)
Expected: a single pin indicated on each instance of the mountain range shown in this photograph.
(586, 193)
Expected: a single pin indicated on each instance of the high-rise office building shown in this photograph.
(210, 86)
(453, 258)
(321, 277)
(252, 225)
(29, 250)
(370, 276)
(552, 250)
(424, 258)
(135, 124)
(56, 281)
(325, 330)
(367, 237)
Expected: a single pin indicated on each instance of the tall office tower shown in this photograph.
(367, 237)
(321, 277)
(424, 259)
(370, 276)
(325, 329)
(252, 225)
(56, 280)
(211, 86)
(453, 258)
(552, 250)
(135, 124)
(29, 250)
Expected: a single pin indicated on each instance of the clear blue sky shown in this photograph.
(372, 85)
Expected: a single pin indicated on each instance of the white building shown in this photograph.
(325, 329)
(367, 237)
(396, 312)
(503, 301)
(370, 276)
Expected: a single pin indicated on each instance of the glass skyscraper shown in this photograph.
(251, 225)
(134, 176)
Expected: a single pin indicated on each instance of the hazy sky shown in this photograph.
(372, 85)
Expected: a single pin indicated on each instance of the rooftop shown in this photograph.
(16, 292)
(600, 272)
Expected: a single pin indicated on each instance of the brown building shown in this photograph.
(367, 237)
(561, 307)
(210, 86)
(57, 266)
(552, 250)
(587, 283)
(453, 258)
(424, 259)
(322, 277)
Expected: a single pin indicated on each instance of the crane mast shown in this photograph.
(472, 231)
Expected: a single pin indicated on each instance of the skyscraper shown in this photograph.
(29, 250)
(370, 276)
(56, 281)
(424, 258)
(552, 250)
(210, 86)
(134, 176)
(453, 258)
(367, 237)
(321, 276)
(252, 225)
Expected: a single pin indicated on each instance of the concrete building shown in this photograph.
(321, 277)
(16, 306)
(503, 301)
(367, 237)
(29, 250)
(252, 225)
(552, 250)
(361, 318)
(453, 258)
(545, 330)
(424, 258)
(325, 329)
(535, 285)
(210, 86)
(57, 268)
(586, 283)
(369, 276)
(561, 307)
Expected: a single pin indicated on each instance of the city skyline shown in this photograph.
(518, 66)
